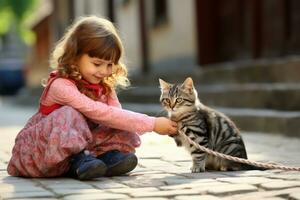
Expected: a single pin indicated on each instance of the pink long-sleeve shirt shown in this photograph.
(108, 112)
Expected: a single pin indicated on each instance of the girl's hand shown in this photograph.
(164, 126)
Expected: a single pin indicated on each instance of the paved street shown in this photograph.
(162, 173)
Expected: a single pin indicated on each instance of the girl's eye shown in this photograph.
(97, 64)
(178, 100)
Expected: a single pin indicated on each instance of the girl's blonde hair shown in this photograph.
(96, 37)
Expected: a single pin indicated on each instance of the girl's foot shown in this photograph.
(118, 163)
(86, 167)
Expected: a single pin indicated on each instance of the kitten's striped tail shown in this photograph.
(257, 165)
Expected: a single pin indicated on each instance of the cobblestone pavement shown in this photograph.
(162, 173)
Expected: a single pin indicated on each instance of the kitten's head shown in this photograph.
(178, 98)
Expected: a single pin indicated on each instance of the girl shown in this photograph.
(80, 129)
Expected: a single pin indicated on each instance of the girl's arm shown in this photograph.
(113, 100)
(65, 92)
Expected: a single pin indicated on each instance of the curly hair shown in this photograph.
(96, 37)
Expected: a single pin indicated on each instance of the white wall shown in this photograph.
(127, 22)
(177, 38)
(90, 7)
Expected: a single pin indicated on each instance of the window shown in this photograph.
(160, 12)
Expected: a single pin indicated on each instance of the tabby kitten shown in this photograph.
(204, 126)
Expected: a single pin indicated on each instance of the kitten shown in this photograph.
(204, 126)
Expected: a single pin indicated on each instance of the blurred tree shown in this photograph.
(16, 14)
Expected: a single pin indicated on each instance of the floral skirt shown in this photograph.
(43, 148)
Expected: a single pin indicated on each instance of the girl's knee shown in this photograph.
(69, 109)
(69, 113)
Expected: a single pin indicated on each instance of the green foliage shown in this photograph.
(5, 20)
(16, 12)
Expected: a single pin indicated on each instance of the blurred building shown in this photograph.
(12, 62)
(176, 34)
(41, 25)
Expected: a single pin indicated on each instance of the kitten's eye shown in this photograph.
(179, 100)
(166, 101)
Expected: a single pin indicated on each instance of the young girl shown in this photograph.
(80, 129)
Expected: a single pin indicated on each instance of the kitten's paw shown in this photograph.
(197, 169)
(224, 168)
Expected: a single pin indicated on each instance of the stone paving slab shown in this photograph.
(30, 194)
(266, 194)
(196, 197)
(96, 196)
(249, 180)
(163, 173)
(295, 196)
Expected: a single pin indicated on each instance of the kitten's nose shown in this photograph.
(172, 106)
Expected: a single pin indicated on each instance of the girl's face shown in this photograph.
(94, 69)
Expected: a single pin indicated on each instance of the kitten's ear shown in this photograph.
(188, 83)
(163, 84)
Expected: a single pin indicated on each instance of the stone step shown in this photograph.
(256, 120)
(285, 69)
(279, 96)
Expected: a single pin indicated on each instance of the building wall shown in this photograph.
(127, 22)
(89, 7)
(39, 59)
(280, 36)
(175, 39)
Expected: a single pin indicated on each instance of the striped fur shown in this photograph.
(204, 126)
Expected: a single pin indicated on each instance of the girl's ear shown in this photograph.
(188, 84)
(164, 85)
